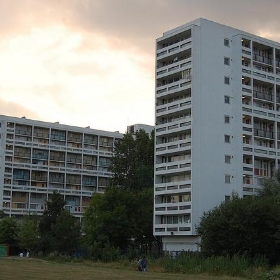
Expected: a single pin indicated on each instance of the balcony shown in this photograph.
(246, 52)
(182, 84)
(174, 48)
(173, 146)
(174, 67)
(173, 167)
(263, 133)
(171, 228)
(263, 95)
(173, 107)
(173, 208)
(262, 59)
(176, 125)
(173, 187)
(260, 172)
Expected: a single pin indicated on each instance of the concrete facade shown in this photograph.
(217, 123)
(37, 158)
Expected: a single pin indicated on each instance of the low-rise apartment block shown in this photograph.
(37, 158)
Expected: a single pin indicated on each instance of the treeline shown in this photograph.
(248, 226)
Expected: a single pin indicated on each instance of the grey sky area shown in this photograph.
(126, 28)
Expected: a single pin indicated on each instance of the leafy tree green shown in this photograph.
(28, 234)
(110, 219)
(66, 233)
(54, 206)
(247, 225)
(271, 186)
(119, 219)
(2, 214)
(144, 217)
(133, 162)
(59, 231)
(8, 231)
(122, 217)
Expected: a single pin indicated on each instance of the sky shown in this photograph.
(91, 62)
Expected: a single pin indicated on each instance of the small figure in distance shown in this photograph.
(144, 264)
(139, 265)
(27, 254)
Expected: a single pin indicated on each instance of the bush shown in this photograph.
(195, 263)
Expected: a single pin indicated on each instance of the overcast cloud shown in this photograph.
(91, 62)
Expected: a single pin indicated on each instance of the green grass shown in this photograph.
(22, 268)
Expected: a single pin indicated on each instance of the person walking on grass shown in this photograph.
(142, 264)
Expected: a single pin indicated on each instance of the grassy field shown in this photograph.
(27, 269)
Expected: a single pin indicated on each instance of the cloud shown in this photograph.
(54, 71)
(15, 110)
(136, 22)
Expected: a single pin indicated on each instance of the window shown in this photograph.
(227, 119)
(227, 138)
(226, 80)
(226, 42)
(227, 179)
(227, 99)
(226, 61)
(227, 159)
(227, 198)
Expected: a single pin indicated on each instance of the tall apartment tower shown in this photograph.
(217, 123)
(37, 158)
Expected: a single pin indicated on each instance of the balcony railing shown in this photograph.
(263, 95)
(173, 46)
(260, 172)
(263, 133)
(262, 59)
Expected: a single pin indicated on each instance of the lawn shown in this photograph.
(27, 269)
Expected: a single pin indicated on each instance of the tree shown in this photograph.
(9, 232)
(110, 219)
(271, 186)
(123, 216)
(54, 207)
(66, 233)
(58, 230)
(28, 234)
(133, 162)
(144, 217)
(2, 214)
(247, 225)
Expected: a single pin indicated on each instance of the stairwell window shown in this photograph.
(227, 159)
(226, 61)
(227, 138)
(227, 179)
(226, 80)
(227, 198)
(226, 42)
(227, 119)
(227, 99)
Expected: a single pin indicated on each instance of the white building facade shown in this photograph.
(37, 158)
(137, 127)
(217, 123)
